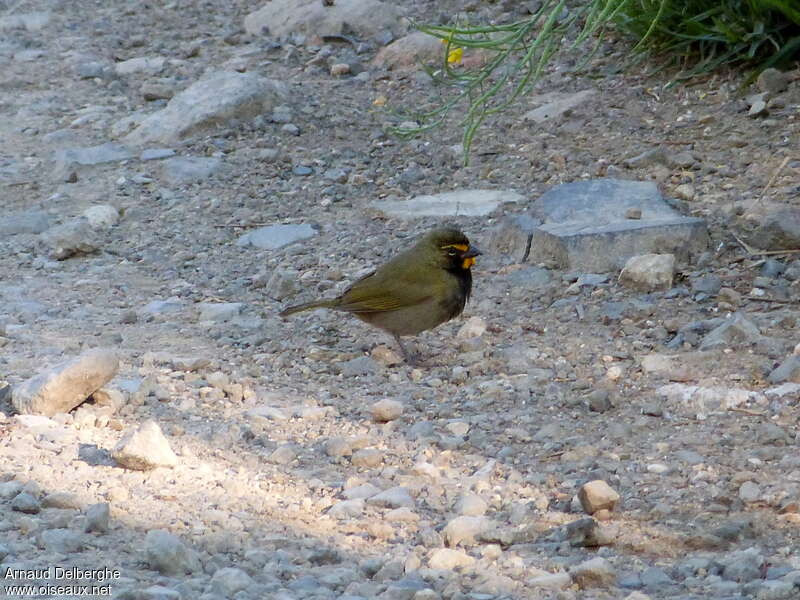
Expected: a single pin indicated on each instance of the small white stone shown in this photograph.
(144, 448)
(474, 327)
(614, 373)
(658, 468)
(101, 216)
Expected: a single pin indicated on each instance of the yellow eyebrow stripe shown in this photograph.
(459, 247)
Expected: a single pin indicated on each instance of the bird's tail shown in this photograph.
(307, 306)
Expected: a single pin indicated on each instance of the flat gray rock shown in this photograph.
(602, 201)
(586, 226)
(557, 104)
(61, 388)
(93, 155)
(188, 169)
(273, 237)
(219, 311)
(209, 103)
(359, 18)
(27, 222)
(585, 247)
(32, 21)
(156, 153)
(459, 203)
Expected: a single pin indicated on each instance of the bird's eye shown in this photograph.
(451, 253)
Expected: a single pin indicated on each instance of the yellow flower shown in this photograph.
(454, 56)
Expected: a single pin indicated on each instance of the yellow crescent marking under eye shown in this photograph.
(459, 247)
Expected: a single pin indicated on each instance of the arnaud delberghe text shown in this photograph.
(63, 573)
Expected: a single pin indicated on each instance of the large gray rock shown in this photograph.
(513, 237)
(61, 388)
(167, 554)
(143, 448)
(459, 203)
(586, 226)
(209, 103)
(359, 18)
(273, 237)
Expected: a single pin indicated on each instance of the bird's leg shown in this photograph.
(411, 358)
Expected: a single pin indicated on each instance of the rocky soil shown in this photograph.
(569, 437)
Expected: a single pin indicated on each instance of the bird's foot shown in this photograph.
(412, 358)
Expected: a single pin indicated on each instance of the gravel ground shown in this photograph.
(306, 464)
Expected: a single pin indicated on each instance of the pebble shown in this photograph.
(386, 410)
(143, 448)
(26, 503)
(61, 500)
(97, 516)
(555, 581)
(395, 497)
(283, 454)
(73, 238)
(648, 272)
(273, 237)
(230, 580)
(596, 495)
(102, 216)
(338, 446)
(368, 458)
(474, 327)
(359, 367)
(595, 572)
(219, 312)
(749, 492)
(63, 541)
(743, 566)
(448, 559)
(167, 554)
(347, 509)
(463, 530)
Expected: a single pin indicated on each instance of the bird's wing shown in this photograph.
(378, 292)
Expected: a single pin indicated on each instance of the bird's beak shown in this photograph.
(472, 252)
(469, 256)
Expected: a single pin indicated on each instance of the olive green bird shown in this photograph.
(416, 290)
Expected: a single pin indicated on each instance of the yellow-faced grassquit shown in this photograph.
(416, 290)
